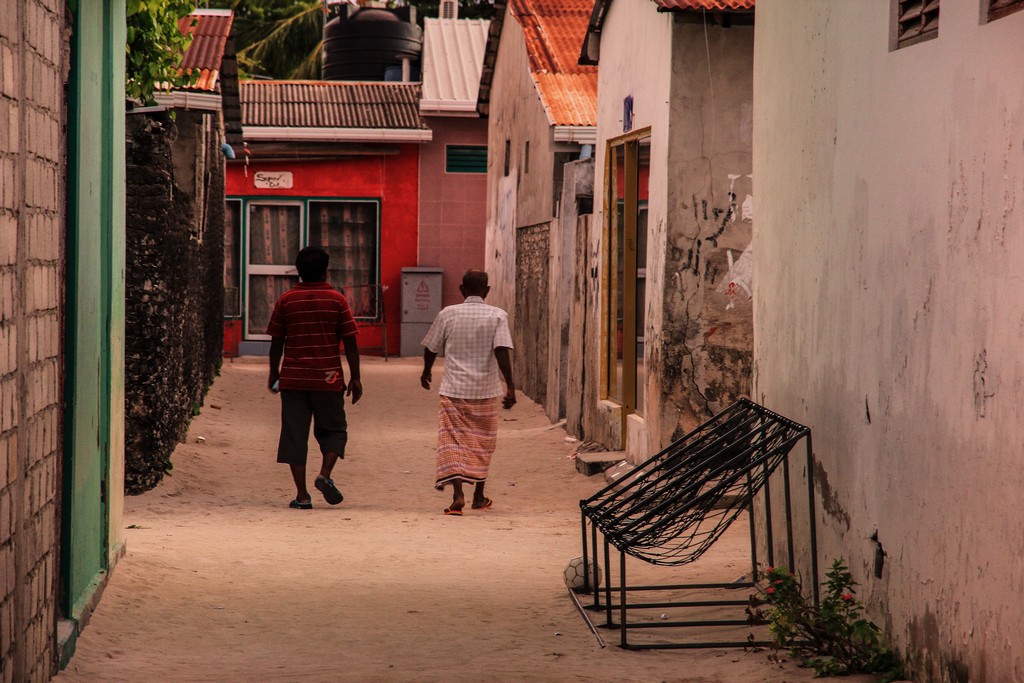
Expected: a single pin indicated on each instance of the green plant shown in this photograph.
(833, 638)
(154, 47)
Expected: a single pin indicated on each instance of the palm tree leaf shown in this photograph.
(287, 43)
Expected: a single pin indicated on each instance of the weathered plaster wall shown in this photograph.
(524, 197)
(453, 206)
(888, 312)
(698, 337)
(577, 198)
(702, 356)
(586, 415)
(174, 285)
(33, 63)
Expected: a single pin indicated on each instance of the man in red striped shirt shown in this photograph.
(309, 325)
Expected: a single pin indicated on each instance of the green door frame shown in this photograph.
(94, 327)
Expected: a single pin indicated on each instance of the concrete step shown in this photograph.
(596, 462)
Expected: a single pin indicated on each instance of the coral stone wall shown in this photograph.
(530, 334)
(174, 284)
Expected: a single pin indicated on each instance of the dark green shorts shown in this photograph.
(327, 411)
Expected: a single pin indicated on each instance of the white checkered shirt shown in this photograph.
(466, 335)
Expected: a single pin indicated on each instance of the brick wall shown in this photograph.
(33, 59)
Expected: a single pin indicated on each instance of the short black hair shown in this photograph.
(474, 281)
(312, 264)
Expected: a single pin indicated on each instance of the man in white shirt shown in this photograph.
(476, 344)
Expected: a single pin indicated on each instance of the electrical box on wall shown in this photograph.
(421, 302)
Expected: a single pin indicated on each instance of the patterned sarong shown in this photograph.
(467, 432)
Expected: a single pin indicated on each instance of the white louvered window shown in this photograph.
(449, 9)
(916, 20)
(1000, 8)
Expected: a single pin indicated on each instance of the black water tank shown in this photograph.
(362, 44)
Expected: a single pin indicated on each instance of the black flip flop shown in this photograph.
(331, 493)
(297, 505)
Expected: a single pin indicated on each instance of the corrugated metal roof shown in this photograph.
(453, 54)
(209, 29)
(554, 31)
(710, 5)
(331, 104)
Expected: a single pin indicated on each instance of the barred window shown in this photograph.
(1000, 8)
(915, 21)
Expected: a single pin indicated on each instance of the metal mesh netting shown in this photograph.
(673, 507)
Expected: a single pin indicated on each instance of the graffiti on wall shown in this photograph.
(713, 222)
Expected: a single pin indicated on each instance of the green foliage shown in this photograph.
(833, 638)
(277, 38)
(154, 47)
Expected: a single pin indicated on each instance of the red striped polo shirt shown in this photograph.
(313, 318)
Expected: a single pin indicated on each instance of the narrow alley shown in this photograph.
(223, 582)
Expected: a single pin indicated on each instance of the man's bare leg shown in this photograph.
(479, 499)
(458, 497)
(299, 475)
(330, 459)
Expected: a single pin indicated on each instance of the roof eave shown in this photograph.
(583, 135)
(590, 50)
(296, 134)
(483, 99)
(184, 99)
(441, 106)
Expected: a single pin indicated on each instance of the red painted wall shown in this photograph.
(394, 179)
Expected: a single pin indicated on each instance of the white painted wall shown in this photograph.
(523, 198)
(636, 59)
(889, 309)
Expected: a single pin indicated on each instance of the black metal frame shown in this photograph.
(674, 506)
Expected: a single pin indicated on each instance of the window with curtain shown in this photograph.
(275, 234)
(347, 230)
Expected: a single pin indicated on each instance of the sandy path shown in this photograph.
(223, 582)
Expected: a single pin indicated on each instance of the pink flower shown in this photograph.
(778, 582)
(769, 590)
(847, 596)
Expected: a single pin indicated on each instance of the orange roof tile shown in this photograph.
(209, 29)
(710, 5)
(554, 31)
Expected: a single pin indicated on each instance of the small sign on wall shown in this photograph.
(423, 297)
(273, 180)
